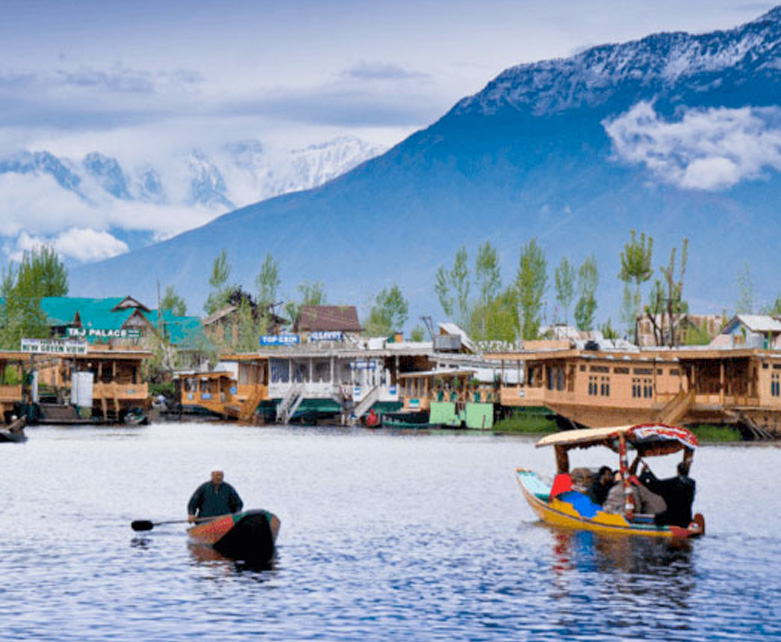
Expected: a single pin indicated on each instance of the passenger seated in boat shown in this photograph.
(582, 478)
(616, 497)
(677, 492)
(601, 486)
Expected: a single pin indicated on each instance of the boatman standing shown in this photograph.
(213, 498)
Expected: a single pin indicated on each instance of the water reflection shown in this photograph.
(207, 556)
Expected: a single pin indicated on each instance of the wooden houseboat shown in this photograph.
(104, 384)
(611, 386)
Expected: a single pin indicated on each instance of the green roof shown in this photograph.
(62, 310)
(186, 333)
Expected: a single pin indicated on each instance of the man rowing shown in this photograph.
(213, 498)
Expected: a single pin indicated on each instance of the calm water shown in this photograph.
(385, 536)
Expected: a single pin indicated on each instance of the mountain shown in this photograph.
(214, 180)
(676, 135)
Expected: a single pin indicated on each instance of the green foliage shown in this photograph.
(527, 421)
(697, 336)
(452, 287)
(40, 274)
(564, 278)
(248, 331)
(173, 302)
(629, 312)
(586, 307)
(489, 281)
(418, 333)
(707, 432)
(636, 265)
(608, 332)
(530, 281)
(311, 294)
(220, 288)
(267, 281)
(389, 312)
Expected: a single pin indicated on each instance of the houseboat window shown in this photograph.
(600, 369)
(621, 370)
(643, 371)
(642, 388)
(777, 366)
(206, 385)
(604, 386)
(583, 368)
(592, 385)
(560, 379)
(659, 371)
(775, 385)
(189, 384)
(675, 372)
(549, 378)
(764, 366)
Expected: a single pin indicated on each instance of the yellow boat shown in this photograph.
(560, 504)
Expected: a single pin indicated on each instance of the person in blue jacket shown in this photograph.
(213, 498)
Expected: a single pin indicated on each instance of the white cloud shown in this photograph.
(82, 244)
(711, 149)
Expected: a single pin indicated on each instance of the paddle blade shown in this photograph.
(142, 525)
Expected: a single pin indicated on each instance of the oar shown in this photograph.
(147, 525)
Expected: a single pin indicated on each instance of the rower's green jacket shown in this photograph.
(209, 500)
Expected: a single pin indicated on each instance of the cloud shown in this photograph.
(82, 244)
(712, 149)
(381, 71)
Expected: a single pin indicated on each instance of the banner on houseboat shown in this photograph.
(100, 333)
(326, 335)
(53, 346)
(279, 339)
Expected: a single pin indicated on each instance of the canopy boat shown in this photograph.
(250, 535)
(14, 432)
(561, 504)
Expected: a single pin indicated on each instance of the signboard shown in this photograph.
(364, 364)
(279, 339)
(53, 346)
(98, 333)
(326, 335)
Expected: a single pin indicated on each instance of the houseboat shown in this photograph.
(599, 385)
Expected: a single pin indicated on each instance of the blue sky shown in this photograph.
(144, 80)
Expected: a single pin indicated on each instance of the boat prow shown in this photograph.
(14, 432)
(250, 535)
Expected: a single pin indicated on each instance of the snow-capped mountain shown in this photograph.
(676, 135)
(212, 181)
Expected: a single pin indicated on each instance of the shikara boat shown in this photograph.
(407, 420)
(14, 432)
(250, 535)
(560, 504)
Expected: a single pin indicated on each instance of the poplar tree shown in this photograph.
(389, 312)
(530, 282)
(564, 279)
(636, 268)
(586, 307)
(220, 289)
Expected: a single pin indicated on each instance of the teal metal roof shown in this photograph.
(97, 313)
(186, 333)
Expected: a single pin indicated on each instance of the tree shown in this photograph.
(452, 287)
(586, 307)
(489, 280)
(40, 274)
(173, 302)
(530, 282)
(417, 333)
(636, 266)
(267, 281)
(564, 279)
(389, 312)
(675, 305)
(311, 294)
(745, 304)
(220, 289)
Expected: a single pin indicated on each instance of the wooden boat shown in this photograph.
(407, 420)
(250, 535)
(14, 432)
(560, 504)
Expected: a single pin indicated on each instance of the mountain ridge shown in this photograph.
(506, 174)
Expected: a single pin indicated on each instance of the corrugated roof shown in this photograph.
(759, 322)
(328, 318)
(62, 310)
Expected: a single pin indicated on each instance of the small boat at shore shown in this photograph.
(561, 504)
(406, 420)
(14, 432)
(250, 535)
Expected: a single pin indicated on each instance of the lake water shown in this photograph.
(385, 536)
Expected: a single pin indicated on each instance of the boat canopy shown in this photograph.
(646, 439)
